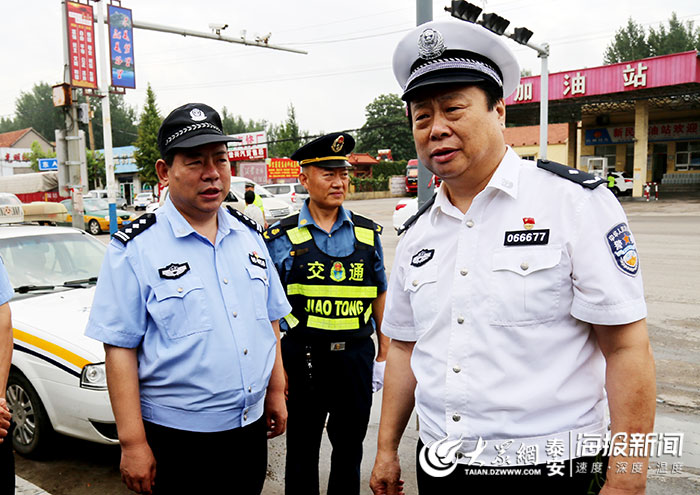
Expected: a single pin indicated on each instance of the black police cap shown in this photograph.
(328, 151)
(189, 126)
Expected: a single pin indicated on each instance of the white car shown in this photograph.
(142, 200)
(293, 194)
(623, 184)
(102, 194)
(404, 210)
(57, 379)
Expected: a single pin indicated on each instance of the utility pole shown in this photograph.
(424, 13)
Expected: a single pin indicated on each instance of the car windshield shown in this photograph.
(94, 204)
(239, 189)
(51, 259)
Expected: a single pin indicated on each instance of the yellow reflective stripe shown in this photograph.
(364, 235)
(291, 320)
(333, 323)
(331, 291)
(368, 313)
(50, 347)
(299, 235)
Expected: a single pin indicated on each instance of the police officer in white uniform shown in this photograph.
(187, 305)
(515, 300)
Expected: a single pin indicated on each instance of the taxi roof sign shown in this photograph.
(10, 209)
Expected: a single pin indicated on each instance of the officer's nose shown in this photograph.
(440, 127)
(210, 172)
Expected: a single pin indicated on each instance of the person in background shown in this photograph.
(252, 211)
(187, 306)
(7, 459)
(249, 186)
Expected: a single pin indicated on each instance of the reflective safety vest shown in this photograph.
(331, 296)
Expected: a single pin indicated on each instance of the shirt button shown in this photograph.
(250, 389)
(524, 266)
(460, 320)
(245, 416)
(456, 369)
(463, 272)
(456, 417)
(414, 283)
(235, 315)
(470, 223)
(180, 289)
(245, 352)
(225, 280)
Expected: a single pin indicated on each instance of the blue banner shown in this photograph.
(121, 47)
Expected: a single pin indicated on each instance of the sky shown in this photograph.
(349, 43)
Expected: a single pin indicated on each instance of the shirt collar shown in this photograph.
(182, 228)
(306, 220)
(505, 178)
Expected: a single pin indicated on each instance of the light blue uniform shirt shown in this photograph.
(339, 242)
(202, 326)
(6, 290)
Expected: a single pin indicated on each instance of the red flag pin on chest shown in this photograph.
(528, 223)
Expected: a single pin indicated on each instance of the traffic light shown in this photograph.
(522, 35)
(465, 11)
(495, 23)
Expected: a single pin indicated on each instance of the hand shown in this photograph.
(5, 417)
(378, 375)
(275, 413)
(386, 475)
(138, 468)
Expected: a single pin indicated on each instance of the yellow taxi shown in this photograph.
(97, 215)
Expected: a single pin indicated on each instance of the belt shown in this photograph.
(330, 343)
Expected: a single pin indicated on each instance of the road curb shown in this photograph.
(24, 487)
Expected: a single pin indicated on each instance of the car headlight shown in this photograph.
(94, 376)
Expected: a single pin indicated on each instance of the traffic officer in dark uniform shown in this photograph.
(331, 264)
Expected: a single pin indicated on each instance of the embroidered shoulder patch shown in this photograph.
(128, 232)
(623, 249)
(422, 257)
(244, 219)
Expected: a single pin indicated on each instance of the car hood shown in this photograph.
(61, 320)
(105, 213)
(274, 204)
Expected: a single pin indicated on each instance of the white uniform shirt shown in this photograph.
(504, 344)
(254, 213)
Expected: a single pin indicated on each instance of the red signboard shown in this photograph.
(655, 72)
(251, 147)
(81, 45)
(282, 168)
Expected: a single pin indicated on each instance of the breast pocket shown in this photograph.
(259, 285)
(525, 285)
(181, 307)
(421, 286)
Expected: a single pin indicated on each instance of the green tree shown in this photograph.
(123, 116)
(147, 152)
(236, 125)
(7, 125)
(285, 138)
(96, 169)
(36, 153)
(633, 43)
(35, 109)
(385, 127)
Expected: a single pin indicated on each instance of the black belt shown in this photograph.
(329, 343)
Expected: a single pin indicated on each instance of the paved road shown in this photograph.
(668, 236)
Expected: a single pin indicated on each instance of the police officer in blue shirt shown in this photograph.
(187, 305)
(331, 263)
(7, 459)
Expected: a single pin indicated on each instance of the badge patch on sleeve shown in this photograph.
(422, 257)
(174, 270)
(257, 260)
(623, 249)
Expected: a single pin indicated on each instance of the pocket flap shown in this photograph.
(178, 287)
(418, 277)
(255, 272)
(526, 261)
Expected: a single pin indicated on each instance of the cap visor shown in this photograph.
(329, 164)
(443, 79)
(201, 139)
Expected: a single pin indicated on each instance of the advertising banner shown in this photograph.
(81, 45)
(252, 147)
(121, 47)
(665, 131)
(282, 168)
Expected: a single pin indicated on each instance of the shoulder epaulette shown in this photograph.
(281, 227)
(365, 222)
(579, 177)
(244, 219)
(426, 206)
(128, 232)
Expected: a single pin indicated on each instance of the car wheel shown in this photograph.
(94, 227)
(32, 432)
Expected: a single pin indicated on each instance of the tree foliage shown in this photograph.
(36, 153)
(123, 117)
(284, 139)
(147, 152)
(34, 108)
(385, 127)
(632, 42)
(234, 124)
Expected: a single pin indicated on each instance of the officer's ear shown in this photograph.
(304, 177)
(162, 169)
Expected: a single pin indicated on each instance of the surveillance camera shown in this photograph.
(217, 26)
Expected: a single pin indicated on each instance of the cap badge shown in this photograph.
(338, 144)
(430, 44)
(197, 114)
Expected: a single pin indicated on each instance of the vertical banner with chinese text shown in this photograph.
(81, 45)
(121, 47)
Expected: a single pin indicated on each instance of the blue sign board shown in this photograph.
(121, 47)
(46, 164)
